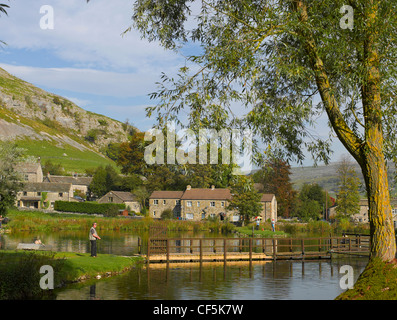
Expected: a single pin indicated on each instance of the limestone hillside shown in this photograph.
(53, 127)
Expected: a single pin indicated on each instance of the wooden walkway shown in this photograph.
(176, 250)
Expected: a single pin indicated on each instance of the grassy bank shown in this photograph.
(20, 270)
(40, 221)
(377, 282)
(264, 233)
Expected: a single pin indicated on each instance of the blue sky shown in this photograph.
(85, 59)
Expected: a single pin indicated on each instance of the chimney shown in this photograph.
(189, 187)
(212, 187)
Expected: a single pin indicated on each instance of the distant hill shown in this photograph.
(54, 128)
(327, 177)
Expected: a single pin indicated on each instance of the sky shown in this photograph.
(81, 55)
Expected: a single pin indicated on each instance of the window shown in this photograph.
(202, 216)
(39, 194)
(155, 202)
(60, 194)
(212, 215)
(394, 211)
(235, 218)
(110, 199)
(154, 213)
(198, 203)
(25, 193)
(212, 204)
(26, 177)
(177, 202)
(164, 201)
(189, 216)
(189, 204)
(222, 203)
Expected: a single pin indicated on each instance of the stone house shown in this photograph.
(42, 195)
(163, 200)
(362, 216)
(269, 207)
(79, 184)
(197, 204)
(29, 172)
(128, 198)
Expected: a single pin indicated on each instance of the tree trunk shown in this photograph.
(383, 244)
(368, 152)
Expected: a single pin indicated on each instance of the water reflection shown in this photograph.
(234, 281)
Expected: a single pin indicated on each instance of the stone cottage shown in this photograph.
(29, 172)
(163, 200)
(197, 204)
(128, 198)
(79, 184)
(42, 195)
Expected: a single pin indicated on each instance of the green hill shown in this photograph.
(53, 128)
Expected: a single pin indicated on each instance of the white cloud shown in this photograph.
(89, 81)
(86, 35)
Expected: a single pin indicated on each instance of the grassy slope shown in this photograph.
(75, 160)
(377, 282)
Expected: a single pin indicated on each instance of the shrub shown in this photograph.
(167, 214)
(20, 275)
(88, 207)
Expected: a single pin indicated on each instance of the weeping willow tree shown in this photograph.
(288, 62)
(3, 10)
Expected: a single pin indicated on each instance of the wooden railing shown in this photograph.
(272, 247)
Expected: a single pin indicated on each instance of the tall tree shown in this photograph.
(246, 200)
(276, 57)
(10, 183)
(275, 178)
(348, 196)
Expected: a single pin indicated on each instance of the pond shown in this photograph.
(270, 280)
(280, 280)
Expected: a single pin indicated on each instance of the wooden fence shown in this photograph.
(227, 249)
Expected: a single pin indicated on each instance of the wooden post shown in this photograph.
(168, 250)
(139, 245)
(148, 251)
(250, 247)
(191, 248)
(290, 245)
(201, 250)
(240, 245)
(224, 249)
(303, 247)
(274, 248)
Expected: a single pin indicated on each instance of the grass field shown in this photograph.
(72, 159)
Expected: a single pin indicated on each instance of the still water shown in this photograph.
(281, 280)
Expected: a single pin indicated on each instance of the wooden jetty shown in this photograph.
(177, 250)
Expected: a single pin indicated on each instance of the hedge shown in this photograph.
(87, 207)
